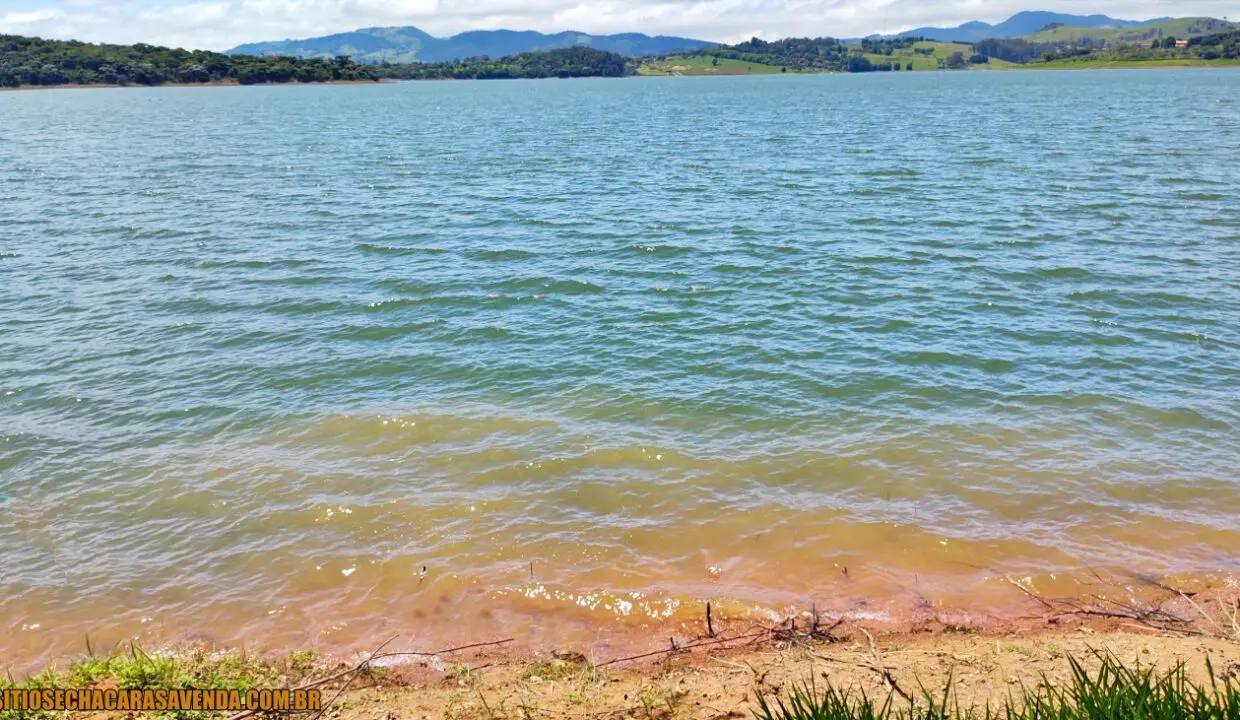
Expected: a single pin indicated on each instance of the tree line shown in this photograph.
(1017, 50)
(39, 62)
(811, 54)
(562, 63)
(35, 61)
(832, 55)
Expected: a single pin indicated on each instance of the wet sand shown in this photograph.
(725, 683)
(720, 668)
(722, 675)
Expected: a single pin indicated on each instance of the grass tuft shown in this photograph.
(132, 667)
(1114, 692)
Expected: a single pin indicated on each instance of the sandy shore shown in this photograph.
(721, 670)
(700, 674)
(726, 682)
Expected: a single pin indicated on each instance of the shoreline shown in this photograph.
(1170, 603)
(1141, 610)
(1153, 65)
(216, 84)
(696, 672)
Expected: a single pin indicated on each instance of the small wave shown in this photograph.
(489, 333)
(930, 357)
(252, 264)
(1062, 272)
(891, 172)
(541, 222)
(665, 250)
(888, 327)
(1163, 300)
(889, 260)
(392, 304)
(380, 333)
(500, 255)
(301, 307)
(389, 250)
(1205, 197)
(1093, 294)
(733, 269)
(1177, 180)
(1094, 207)
(555, 286)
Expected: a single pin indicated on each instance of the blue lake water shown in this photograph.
(592, 351)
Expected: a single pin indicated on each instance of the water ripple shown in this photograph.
(267, 352)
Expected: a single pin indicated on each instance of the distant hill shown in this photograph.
(1158, 29)
(409, 44)
(1023, 23)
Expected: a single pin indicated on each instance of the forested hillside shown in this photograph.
(814, 54)
(36, 62)
(916, 53)
(563, 63)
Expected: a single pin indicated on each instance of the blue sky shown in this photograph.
(221, 24)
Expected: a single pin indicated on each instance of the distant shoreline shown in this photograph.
(1080, 66)
(218, 83)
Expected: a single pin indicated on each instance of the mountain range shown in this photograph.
(1022, 23)
(409, 44)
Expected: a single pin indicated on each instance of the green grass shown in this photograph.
(944, 49)
(1113, 692)
(1178, 27)
(941, 51)
(134, 668)
(702, 65)
(1111, 63)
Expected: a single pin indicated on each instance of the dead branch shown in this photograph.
(882, 668)
(685, 648)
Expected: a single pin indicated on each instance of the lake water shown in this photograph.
(592, 352)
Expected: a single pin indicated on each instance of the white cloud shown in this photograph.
(221, 24)
(28, 18)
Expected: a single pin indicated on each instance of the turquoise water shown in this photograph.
(591, 351)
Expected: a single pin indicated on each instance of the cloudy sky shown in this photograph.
(221, 24)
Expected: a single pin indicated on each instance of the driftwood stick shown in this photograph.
(882, 669)
(680, 648)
